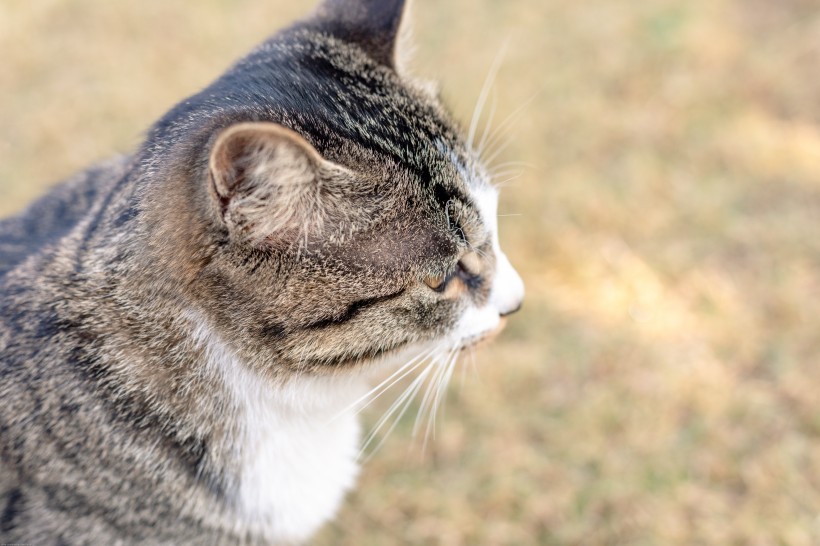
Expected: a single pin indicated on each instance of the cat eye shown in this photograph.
(439, 282)
(468, 270)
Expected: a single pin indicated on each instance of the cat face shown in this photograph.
(354, 221)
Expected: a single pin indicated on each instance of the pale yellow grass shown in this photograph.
(661, 384)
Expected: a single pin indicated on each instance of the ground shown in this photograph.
(660, 384)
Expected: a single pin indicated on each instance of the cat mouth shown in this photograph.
(484, 337)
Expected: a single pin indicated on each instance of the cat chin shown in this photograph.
(477, 323)
(477, 326)
(483, 338)
(402, 355)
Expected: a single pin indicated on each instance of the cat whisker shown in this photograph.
(505, 126)
(499, 149)
(506, 182)
(482, 97)
(473, 366)
(437, 388)
(462, 377)
(425, 400)
(488, 124)
(427, 403)
(373, 394)
(394, 378)
(508, 167)
(402, 403)
(394, 406)
(441, 390)
(521, 165)
(454, 353)
(506, 172)
(501, 136)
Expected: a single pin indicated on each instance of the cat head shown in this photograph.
(345, 214)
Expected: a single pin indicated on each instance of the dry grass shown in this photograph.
(661, 384)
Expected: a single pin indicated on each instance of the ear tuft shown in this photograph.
(264, 179)
(374, 25)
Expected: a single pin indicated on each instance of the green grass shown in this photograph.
(660, 385)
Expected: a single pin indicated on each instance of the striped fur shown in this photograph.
(177, 325)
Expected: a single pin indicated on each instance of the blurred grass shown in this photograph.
(660, 385)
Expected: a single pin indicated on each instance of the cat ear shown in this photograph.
(374, 25)
(265, 180)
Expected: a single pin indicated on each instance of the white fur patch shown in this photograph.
(507, 290)
(298, 446)
(476, 323)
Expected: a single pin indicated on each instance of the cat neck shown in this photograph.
(295, 443)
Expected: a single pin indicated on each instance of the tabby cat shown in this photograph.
(182, 330)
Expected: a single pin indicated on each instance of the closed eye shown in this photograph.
(466, 271)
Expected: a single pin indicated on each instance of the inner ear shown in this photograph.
(263, 179)
(374, 25)
(244, 152)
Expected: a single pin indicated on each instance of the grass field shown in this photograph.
(662, 383)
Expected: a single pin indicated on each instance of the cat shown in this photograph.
(183, 329)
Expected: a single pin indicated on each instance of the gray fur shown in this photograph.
(305, 242)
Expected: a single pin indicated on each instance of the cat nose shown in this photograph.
(503, 313)
(508, 289)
